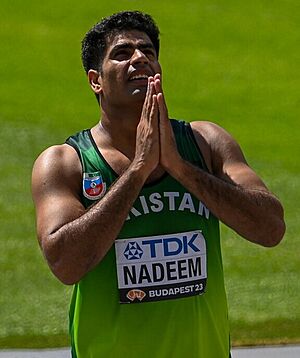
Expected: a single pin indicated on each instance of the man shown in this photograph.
(128, 211)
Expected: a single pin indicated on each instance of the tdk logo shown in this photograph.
(133, 251)
(172, 246)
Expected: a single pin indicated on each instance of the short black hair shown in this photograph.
(94, 43)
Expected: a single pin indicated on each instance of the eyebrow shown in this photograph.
(126, 45)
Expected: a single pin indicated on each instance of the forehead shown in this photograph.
(131, 37)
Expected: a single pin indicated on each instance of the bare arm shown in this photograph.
(75, 240)
(233, 192)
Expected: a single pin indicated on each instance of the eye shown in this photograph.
(150, 54)
(122, 55)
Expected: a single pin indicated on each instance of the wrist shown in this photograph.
(176, 167)
(139, 170)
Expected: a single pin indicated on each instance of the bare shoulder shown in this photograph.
(56, 188)
(226, 156)
(58, 154)
(216, 144)
(58, 166)
(199, 130)
(213, 134)
(223, 147)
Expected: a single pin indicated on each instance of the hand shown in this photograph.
(147, 135)
(169, 156)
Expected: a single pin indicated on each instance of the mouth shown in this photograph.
(139, 78)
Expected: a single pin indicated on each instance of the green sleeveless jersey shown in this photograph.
(159, 291)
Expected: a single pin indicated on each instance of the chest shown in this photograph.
(119, 162)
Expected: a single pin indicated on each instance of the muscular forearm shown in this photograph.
(254, 214)
(78, 246)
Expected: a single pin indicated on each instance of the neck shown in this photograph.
(117, 127)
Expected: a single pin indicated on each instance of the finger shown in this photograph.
(154, 110)
(151, 93)
(157, 83)
(148, 93)
(157, 76)
(148, 107)
(162, 106)
(148, 97)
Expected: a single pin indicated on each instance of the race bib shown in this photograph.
(161, 267)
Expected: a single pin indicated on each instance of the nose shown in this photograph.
(139, 57)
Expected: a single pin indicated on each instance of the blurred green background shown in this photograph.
(232, 62)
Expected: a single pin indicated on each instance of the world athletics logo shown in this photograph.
(133, 251)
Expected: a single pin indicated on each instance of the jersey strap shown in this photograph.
(91, 158)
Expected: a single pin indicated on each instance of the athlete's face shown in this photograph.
(129, 60)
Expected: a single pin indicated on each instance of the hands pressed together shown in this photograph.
(155, 141)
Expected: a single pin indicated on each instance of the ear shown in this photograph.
(95, 81)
